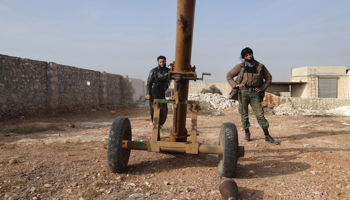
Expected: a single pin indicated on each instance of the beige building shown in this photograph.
(306, 82)
(321, 82)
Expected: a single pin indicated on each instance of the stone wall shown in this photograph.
(272, 101)
(78, 89)
(318, 103)
(23, 86)
(30, 88)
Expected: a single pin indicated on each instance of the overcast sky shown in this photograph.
(126, 36)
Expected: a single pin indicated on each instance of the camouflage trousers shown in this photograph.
(245, 98)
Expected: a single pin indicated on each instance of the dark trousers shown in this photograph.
(158, 94)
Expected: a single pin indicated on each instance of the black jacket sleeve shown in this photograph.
(150, 82)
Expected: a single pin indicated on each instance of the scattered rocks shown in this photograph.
(78, 170)
(288, 109)
(190, 189)
(210, 101)
(135, 196)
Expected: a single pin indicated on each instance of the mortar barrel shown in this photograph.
(183, 52)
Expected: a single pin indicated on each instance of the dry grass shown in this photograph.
(32, 128)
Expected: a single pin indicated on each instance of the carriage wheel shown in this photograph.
(117, 157)
(228, 138)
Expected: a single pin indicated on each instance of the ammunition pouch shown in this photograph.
(251, 79)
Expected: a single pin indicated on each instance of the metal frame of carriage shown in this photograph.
(120, 138)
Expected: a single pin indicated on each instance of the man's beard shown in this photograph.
(250, 60)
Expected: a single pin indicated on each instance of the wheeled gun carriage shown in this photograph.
(120, 139)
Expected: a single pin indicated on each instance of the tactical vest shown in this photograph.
(251, 79)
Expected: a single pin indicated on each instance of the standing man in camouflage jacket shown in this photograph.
(157, 84)
(249, 88)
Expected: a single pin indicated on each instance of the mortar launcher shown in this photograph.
(120, 138)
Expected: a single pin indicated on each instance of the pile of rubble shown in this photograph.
(209, 101)
(216, 102)
(288, 109)
(341, 111)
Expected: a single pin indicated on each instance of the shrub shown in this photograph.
(212, 89)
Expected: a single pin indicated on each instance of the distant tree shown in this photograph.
(212, 89)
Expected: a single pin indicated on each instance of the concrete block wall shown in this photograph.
(309, 90)
(140, 89)
(343, 89)
(30, 88)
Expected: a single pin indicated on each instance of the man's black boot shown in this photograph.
(268, 138)
(247, 135)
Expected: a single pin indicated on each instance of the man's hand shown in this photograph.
(148, 96)
(257, 89)
(240, 86)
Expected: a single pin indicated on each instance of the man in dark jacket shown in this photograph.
(157, 84)
(252, 80)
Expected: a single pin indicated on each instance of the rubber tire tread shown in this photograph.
(117, 157)
(228, 138)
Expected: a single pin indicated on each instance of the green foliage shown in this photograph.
(212, 89)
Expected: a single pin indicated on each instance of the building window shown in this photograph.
(327, 86)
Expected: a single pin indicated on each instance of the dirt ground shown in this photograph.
(312, 161)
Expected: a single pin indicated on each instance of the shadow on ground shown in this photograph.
(314, 135)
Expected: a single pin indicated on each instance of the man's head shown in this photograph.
(161, 61)
(247, 54)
